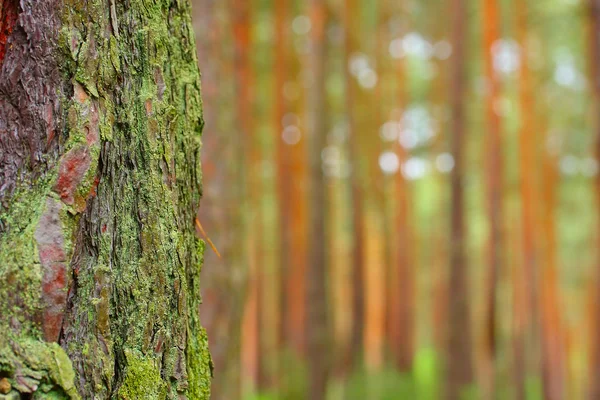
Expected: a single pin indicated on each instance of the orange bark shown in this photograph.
(494, 190)
(243, 75)
(525, 304)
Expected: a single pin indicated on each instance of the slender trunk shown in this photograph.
(494, 191)
(553, 340)
(284, 190)
(355, 350)
(594, 13)
(100, 188)
(244, 78)
(405, 278)
(223, 285)
(316, 297)
(402, 288)
(459, 367)
(524, 313)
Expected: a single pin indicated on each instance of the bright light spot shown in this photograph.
(409, 139)
(389, 162)
(389, 131)
(442, 50)
(416, 127)
(358, 63)
(415, 45)
(333, 163)
(367, 78)
(396, 48)
(566, 72)
(506, 56)
(589, 167)
(568, 165)
(290, 119)
(415, 168)
(444, 163)
(291, 135)
(331, 155)
(301, 25)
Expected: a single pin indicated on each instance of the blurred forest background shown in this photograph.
(405, 197)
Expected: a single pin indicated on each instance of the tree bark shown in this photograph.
(100, 124)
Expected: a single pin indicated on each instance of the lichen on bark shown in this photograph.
(96, 225)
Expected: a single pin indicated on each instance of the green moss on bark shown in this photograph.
(131, 327)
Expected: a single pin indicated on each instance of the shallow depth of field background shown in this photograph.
(529, 179)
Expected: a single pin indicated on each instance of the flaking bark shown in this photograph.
(100, 124)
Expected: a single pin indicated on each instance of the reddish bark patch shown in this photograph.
(9, 12)
(50, 242)
(71, 172)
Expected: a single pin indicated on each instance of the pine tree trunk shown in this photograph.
(100, 124)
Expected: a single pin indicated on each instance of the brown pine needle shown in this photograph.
(207, 238)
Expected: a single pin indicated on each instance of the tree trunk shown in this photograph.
(494, 193)
(224, 284)
(525, 315)
(594, 14)
(100, 123)
(354, 353)
(459, 366)
(316, 296)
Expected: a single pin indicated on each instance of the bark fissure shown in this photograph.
(104, 248)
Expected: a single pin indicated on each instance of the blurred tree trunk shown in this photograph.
(594, 15)
(355, 350)
(317, 324)
(525, 304)
(252, 355)
(459, 363)
(284, 183)
(553, 339)
(402, 288)
(223, 285)
(295, 281)
(100, 123)
(491, 34)
(439, 285)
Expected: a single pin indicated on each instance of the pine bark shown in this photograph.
(100, 125)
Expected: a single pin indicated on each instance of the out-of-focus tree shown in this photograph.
(223, 283)
(494, 179)
(317, 323)
(459, 369)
